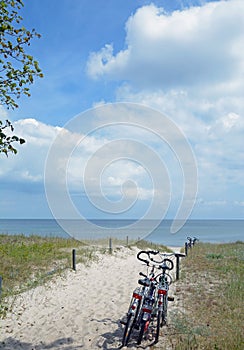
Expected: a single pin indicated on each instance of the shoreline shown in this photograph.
(209, 231)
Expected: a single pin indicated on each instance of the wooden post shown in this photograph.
(177, 266)
(186, 248)
(127, 241)
(1, 280)
(74, 259)
(110, 245)
(178, 256)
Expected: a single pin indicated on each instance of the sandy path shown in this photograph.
(80, 310)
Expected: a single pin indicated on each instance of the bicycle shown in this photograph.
(164, 281)
(137, 299)
(147, 308)
(192, 241)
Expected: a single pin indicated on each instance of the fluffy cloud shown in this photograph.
(200, 45)
(28, 165)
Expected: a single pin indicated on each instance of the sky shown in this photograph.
(140, 112)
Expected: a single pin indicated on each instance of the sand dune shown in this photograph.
(80, 310)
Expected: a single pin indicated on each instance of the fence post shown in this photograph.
(186, 248)
(178, 256)
(110, 245)
(74, 259)
(127, 241)
(1, 280)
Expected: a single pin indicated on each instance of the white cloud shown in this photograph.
(189, 65)
(196, 46)
(28, 165)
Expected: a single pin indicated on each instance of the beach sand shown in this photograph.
(78, 310)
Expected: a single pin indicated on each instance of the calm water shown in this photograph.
(214, 231)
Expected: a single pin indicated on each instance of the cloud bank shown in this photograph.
(189, 65)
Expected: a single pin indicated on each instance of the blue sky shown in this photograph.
(184, 59)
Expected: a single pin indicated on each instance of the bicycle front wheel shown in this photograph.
(128, 329)
(141, 331)
(159, 324)
(165, 309)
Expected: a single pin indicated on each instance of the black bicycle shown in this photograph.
(191, 241)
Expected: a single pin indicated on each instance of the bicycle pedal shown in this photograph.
(123, 321)
(171, 298)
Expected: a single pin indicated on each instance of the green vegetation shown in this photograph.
(211, 291)
(18, 68)
(29, 261)
(142, 244)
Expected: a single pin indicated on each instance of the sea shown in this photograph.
(213, 231)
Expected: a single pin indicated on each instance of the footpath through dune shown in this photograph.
(80, 310)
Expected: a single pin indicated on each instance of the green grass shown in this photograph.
(143, 244)
(212, 291)
(29, 260)
(116, 243)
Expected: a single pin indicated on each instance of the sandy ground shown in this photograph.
(80, 310)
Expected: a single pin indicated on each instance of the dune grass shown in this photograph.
(211, 291)
(29, 261)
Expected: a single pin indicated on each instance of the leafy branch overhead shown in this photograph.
(17, 67)
(6, 141)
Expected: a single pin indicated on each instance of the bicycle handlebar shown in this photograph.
(193, 239)
(162, 257)
(164, 263)
(147, 252)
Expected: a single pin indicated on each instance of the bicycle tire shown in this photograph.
(159, 324)
(164, 313)
(141, 332)
(128, 329)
